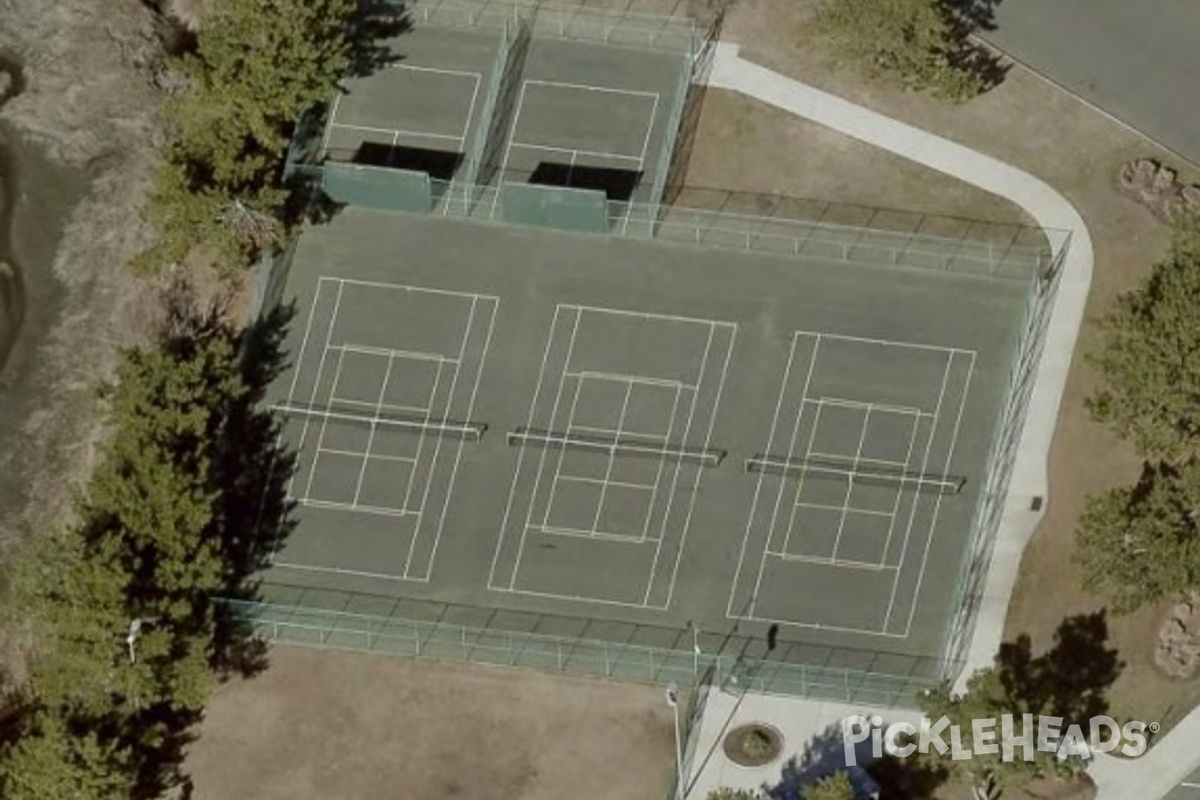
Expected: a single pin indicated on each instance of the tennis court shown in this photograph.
(627, 433)
(591, 117)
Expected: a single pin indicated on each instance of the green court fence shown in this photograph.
(638, 653)
(557, 207)
(576, 23)
(378, 187)
(989, 510)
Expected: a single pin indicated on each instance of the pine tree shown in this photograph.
(1140, 545)
(988, 697)
(52, 761)
(259, 65)
(923, 44)
(835, 787)
(1150, 360)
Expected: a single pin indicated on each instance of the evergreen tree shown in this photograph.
(258, 65)
(923, 44)
(1140, 545)
(989, 697)
(52, 761)
(835, 787)
(1150, 360)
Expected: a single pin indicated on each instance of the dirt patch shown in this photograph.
(322, 724)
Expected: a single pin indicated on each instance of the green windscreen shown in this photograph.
(558, 207)
(378, 187)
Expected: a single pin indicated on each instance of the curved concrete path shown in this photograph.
(1173, 757)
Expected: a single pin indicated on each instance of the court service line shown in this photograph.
(590, 88)
(312, 469)
(887, 342)
(649, 130)
(623, 312)
(862, 438)
(647, 380)
(317, 381)
(866, 405)
(619, 484)
(912, 514)
(362, 472)
(410, 289)
(827, 562)
(579, 533)
(662, 462)
(937, 503)
(574, 152)
(373, 456)
(612, 457)
(494, 308)
(912, 441)
(396, 133)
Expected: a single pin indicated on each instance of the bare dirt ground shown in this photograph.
(325, 724)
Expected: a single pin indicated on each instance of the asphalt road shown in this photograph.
(1139, 60)
(1188, 790)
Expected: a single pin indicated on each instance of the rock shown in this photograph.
(1158, 188)
(1177, 649)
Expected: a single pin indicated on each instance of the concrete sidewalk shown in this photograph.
(1175, 755)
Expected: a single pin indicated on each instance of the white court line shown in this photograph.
(421, 438)
(575, 152)
(885, 342)
(612, 459)
(737, 575)
(409, 289)
(619, 484)
(590, 88)
(885, 462)
(643, 437)
(801, 480)
(649, 130)
(512, 135)
(712, 422)
(437, 445)
(912, 441)
(349, 401)
(329, 124)
(373, 456)
(827, 507)
(937, 503)
(462, 73)
(362, 472)
(662, 462)
(512, 493)
(562, 453)
(299, 367)
(493, 308)
(575, 598)
(312, 469)
(826, 562)
(475, 77)
(386, 352)
(396, 133)
(916, 501)
(537, 480)
(622, 312)
(843, 402)
(384, 511)
(639, 379)
(339, 571)
(577, 533)
(862, 438)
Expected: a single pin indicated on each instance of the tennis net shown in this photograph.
(866, 474)
(455, 429)
(618, 444)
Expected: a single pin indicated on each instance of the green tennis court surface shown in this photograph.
(636, 433)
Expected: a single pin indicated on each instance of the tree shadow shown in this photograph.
(1070, 680)
(974, 15)
(820, 758)
(255, 515)
(375, 26)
